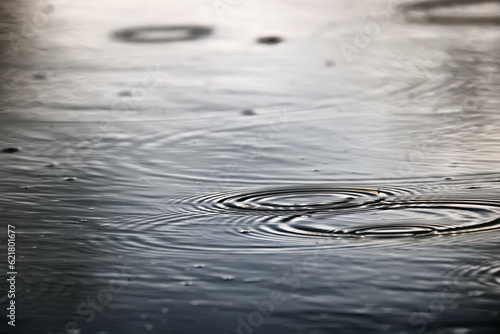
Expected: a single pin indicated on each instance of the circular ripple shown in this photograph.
(424, 11)
(301, 218)
(428, 217)
(297, 200)
(355, 211)
(479, 276)
(162, 34)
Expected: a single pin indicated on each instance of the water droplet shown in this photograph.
(248, 112)
(329, 63)
(39, 76)
(270, 40)
(125, 93)
(11, 150)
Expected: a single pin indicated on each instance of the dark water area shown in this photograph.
(300, 167)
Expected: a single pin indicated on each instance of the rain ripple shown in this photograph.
(302, 218)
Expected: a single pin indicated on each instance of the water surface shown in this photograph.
(177, 176)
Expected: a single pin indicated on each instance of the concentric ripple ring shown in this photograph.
(162, 34)
(422, 12)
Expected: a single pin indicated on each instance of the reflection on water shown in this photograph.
(168, 170)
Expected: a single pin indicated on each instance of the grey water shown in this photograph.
(251, 166)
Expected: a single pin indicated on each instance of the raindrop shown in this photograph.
(270, 40)
(248, 112)
(39, 76)
(11, 150)
(125, 93)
